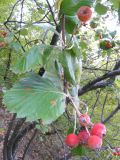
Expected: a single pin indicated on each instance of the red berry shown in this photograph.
(71, 140)
(4, 34)
(108, 44)
(99, 130)
(2, 44)
(84, 120)
(83, 137)
(94, 142)
(84, 13)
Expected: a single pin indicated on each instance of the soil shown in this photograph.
(43, 147)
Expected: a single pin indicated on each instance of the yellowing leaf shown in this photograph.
(58, 4)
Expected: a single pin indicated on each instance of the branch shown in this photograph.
(5, 156)
(13, 136)
(99, 83)
(21, 134)
(112, 114)
(28, 145)
(50, 8)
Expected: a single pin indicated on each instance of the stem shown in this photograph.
(75, 107)
(75, 121)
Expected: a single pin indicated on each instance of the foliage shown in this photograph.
(74, 56)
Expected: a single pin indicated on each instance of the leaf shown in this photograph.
(70, 23)
(75, 51)
(115, 3)
(58, 4)
(113, 34)
(83, 45)
(67, 61)
(41, 11)
(16, 46)
(35, 97)
(30, 61)
(9, 38)
(80, 150)
(46, 54)
(78, 70)
(24, 32)
(55, 79)
(101, 9)
(52, 57)
(70, 7)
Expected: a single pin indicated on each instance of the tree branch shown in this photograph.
(112, 114)
(99, 83)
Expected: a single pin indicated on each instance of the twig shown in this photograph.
(50, 8)
(104, 107)
(98, 96)
(112, 114)
(95, 83)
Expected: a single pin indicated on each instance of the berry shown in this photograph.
(108, 44)
(71, 140)
(116, 151)
(83, 137)
(2, 44)
(4, 34)
(84, 120)
(99, 130)
(84, 13)
(94, 142)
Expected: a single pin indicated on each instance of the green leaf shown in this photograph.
(101, 9)
(52, 57)
(83, 45)
(41, 11)
(9, 38)
(78, 70)
(75, 51)
(1, 39)
(55, 79)
(70, 23)
(58, 4)
(30, 61)
(68, 61)
(35, 97)
(113, 34)
(80, 150)
(115, 3)
(70, 7)
(16, 46)
(24, 32)
(46, 54)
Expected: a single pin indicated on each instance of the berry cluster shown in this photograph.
(91, 138)
(3, 34)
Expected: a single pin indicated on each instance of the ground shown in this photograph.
(47, 147)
